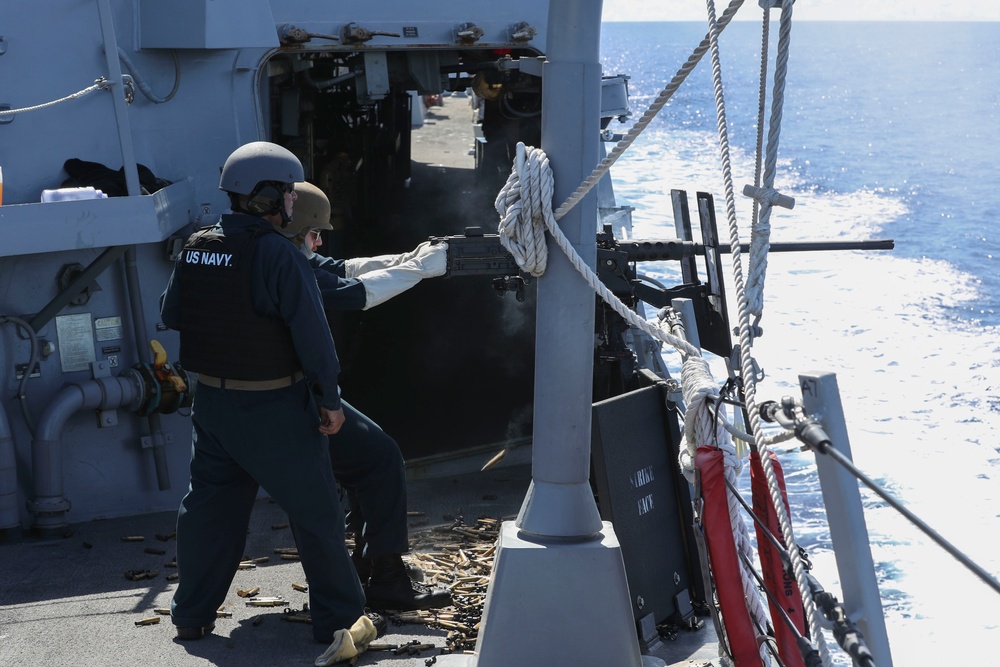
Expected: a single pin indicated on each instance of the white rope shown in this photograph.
(757, 258)
(521, 211)
(770, 166)
(525, 210)
(755, 603)
(765, 196)
(765, 40)
(98, 84)
(768, 197)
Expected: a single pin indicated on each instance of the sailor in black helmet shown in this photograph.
(252, 326)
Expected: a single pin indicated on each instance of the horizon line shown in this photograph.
(815, 20)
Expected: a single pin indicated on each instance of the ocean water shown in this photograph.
(890, 130)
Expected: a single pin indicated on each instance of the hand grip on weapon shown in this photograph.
(357, 266)
(381, 284)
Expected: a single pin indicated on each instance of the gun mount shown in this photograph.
(476, 253)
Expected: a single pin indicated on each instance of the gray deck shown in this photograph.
(66, 601)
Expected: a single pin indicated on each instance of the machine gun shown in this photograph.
(478, 253)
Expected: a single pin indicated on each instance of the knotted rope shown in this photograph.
(523, 226)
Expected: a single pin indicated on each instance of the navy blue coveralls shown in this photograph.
(242, 438)
(366, 460)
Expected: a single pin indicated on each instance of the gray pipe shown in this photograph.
(326, 83)
(105, 393)
(10, 520)
(159, 439)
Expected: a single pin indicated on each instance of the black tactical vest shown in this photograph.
(221, 335)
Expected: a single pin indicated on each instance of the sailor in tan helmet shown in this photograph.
(366, 460)
(380, 278)
(312, 217)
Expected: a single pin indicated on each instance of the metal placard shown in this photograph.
(76, 342)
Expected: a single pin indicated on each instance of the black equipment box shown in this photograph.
(639, 488)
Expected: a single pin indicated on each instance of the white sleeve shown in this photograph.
(358, 266)
(384, 283)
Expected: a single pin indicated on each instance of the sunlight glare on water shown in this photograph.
(919, 385)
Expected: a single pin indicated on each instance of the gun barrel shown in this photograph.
(476, 253)
(811, 246)
(675, 249)
(652, 251)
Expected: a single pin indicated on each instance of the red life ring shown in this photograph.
(724, 560)
(781, 584)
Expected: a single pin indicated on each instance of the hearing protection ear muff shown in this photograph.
(266, 198)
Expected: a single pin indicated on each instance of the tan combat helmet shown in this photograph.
(312, 211)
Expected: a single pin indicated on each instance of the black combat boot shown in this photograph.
(390, 587)
(363, 566)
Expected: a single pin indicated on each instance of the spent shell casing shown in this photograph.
(267, 602)
(382, 647)
(155, 551)
(152, 620)
(300, 587)
(297, 617)
(162, 611)
(495, 460)
(133, 538)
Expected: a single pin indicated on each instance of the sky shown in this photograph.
(810, 10)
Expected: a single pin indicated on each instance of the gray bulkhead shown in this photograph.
(235, 82)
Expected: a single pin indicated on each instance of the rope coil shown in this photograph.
(521, 210)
